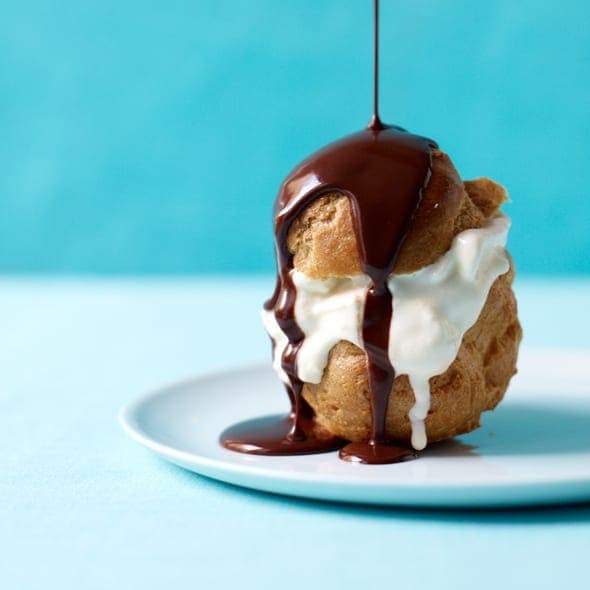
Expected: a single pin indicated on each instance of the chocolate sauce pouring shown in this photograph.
(383, 170)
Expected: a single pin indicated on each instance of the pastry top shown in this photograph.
(323, 241)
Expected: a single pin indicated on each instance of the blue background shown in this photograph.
(151, 137)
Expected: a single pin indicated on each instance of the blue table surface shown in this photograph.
(82, 506)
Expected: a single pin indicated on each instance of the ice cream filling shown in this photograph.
(432, 309)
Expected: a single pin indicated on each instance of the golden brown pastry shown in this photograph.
(324, 245)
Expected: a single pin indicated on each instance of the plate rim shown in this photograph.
(127, 418)
(230, 472)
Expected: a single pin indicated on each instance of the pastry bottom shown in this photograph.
(476, 381)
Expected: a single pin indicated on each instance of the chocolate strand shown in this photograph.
(375, 122)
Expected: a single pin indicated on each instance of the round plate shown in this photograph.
(534, 449)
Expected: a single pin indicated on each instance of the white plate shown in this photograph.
(534, 449)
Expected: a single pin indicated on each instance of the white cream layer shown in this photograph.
(432, 310)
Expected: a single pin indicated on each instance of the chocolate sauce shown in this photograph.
(375, 122)
(272, 435)
(383, 170)
(361, 452)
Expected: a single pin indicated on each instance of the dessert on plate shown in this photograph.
(393, 320)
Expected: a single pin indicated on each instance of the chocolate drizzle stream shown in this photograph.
(383, 170)
(375, 122)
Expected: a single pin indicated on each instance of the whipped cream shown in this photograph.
(432, 309)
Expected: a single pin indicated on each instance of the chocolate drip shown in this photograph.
(383, 170)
